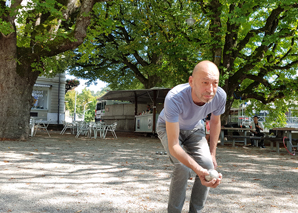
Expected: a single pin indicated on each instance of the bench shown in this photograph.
(234, 137)
(276, 140)
(272, 140)
(280, 140)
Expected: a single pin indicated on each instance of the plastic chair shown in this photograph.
(83, 129)
(32, 124)
(67, 126)
(111, 128)
(99, 127)
(42, 125)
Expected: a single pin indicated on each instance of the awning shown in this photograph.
(154, 95)
(140, 96)
(43, 85)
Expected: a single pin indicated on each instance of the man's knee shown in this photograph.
(181, 171)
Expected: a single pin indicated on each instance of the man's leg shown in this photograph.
(261, 143)
(180, 176)
(252, 142)
(197, 146)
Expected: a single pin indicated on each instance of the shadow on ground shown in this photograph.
(65, 174)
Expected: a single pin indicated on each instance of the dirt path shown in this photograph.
(64, 174)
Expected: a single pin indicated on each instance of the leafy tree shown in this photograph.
(100, 93)
(71, 84)
(147, 45)
(254, 43)
(81, 99)
(32, 35)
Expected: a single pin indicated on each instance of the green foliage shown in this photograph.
(81, 99)
(29, 31)
(139, 45)
(5, 27)
(134, 44)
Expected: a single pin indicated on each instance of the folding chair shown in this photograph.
(111, 128)
(84, 129)
(42, 125)
(99, 127)
(67, 126)
(32, 124)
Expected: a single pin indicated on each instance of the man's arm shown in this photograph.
(215, 127)
(253, 127)
(261, 126)
(177, 151)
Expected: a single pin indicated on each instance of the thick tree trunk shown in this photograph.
(16, 85)
(229, 89)
(225, 116)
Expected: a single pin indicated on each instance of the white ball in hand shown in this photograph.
(212, 174)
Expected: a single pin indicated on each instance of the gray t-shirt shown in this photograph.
(179, 107)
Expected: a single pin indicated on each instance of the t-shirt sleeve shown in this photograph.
(221, 103)
(171, 109)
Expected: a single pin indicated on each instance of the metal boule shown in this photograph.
(212, 174)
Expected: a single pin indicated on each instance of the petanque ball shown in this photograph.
(212, 174)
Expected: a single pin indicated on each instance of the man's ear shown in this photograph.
(190, 81)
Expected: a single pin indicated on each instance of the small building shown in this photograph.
(49, 97)
(133, 116)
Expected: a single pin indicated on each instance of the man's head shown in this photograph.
(256, 119)
(204, 82)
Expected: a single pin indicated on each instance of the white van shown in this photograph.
(101, 107)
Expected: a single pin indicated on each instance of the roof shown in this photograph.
(140, 95)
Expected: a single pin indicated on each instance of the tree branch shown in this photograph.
(136, 71)
(269, 27)
(79, 33)
(258, 79)
(140, 59)
(288, 66)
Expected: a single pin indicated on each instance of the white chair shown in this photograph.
(111, 128)
(32, 124)
(83, 129)
(67, 125)
(42, 125)
(99, 127)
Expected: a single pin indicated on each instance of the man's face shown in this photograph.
(204, 85)
(255, 119)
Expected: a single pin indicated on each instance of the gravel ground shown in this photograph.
(65, 174)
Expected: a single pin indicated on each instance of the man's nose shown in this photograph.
(210, 88)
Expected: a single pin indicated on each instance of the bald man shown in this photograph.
(180, 128)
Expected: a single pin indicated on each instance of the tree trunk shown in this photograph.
(225, 116)
(16, 85)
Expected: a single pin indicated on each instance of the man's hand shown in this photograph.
(213, 183)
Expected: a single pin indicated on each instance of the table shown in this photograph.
(99, 127)
(222, 134)
(289, 133)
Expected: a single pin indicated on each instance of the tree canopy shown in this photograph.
(81, 99)
(254, 44)
(147, 46)
(33, 34)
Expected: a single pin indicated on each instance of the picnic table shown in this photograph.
(243, 137)
(287, 131)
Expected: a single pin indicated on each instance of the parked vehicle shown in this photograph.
(101, 108)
